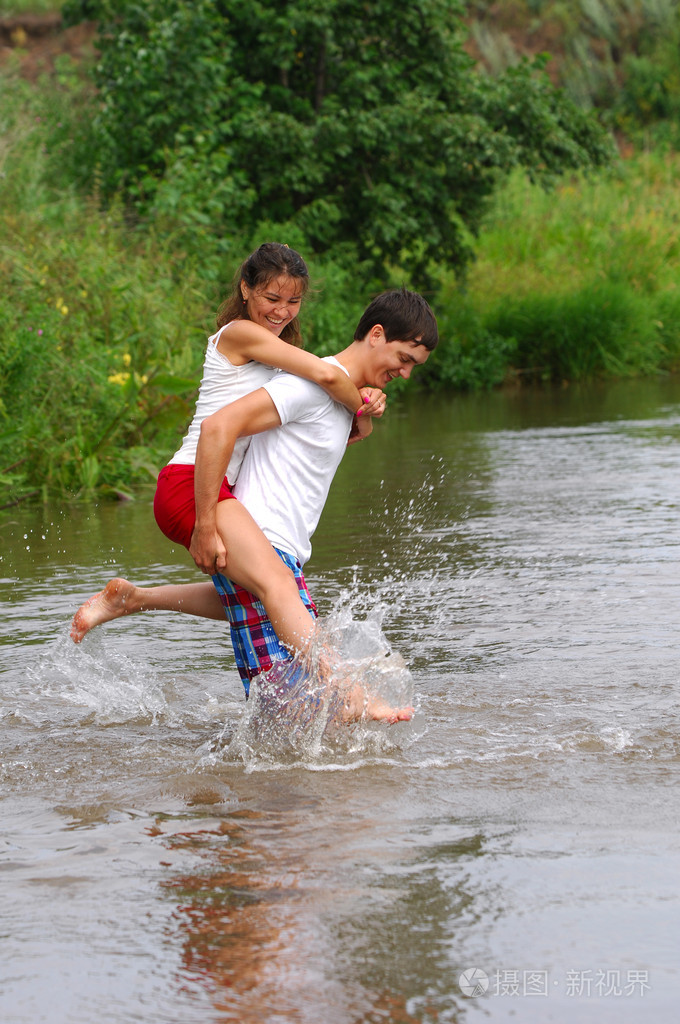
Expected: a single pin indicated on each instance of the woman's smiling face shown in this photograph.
(274, 304)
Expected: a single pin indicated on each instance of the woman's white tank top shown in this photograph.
(222, 383)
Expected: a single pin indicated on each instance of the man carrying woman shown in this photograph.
(298, 436)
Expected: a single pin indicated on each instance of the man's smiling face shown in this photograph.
(391, 359)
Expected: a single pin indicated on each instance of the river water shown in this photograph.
(509, 561)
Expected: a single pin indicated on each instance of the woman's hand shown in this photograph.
(374, 400)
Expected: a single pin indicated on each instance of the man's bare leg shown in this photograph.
(120, 597)
(252, 563)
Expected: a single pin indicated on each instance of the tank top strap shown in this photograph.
(214, 338)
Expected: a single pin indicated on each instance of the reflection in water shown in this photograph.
(243, 922)
(231, 921)
(276, 930)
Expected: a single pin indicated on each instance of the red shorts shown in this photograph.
(174, 506)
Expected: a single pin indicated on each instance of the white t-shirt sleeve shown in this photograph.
(296, 399)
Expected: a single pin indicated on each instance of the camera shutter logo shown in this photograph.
(473, 982)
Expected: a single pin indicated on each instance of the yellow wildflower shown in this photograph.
(119, 378)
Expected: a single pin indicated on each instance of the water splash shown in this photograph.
(616, 738)
(316, 711)
(110, 687)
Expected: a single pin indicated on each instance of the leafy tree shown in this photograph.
(360, 126)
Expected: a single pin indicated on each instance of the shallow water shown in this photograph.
(163, 861)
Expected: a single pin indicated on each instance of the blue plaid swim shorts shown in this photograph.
(256, 645)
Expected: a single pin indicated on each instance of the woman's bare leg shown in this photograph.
(251, 562)
(254, 564)
(120, 597)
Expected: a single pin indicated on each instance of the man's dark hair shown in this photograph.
(403, 315)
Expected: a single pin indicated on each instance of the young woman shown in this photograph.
(258, 333)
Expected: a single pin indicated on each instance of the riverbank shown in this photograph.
(579, 282)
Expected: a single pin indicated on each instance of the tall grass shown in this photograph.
(580, 282)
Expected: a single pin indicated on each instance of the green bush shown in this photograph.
(95, 359)
(470, 356)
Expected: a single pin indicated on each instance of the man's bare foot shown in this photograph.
(109, 603)
(360, 705)
(379, 711)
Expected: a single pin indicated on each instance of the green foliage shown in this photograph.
(470, 356)
(91, 363)
(95, 339)
(103, 317)
(602, 329)
(358, 123)
(577, 284)
(649, 102)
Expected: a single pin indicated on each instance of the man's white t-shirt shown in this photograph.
(287, 471)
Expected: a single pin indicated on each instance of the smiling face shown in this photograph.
(391, 359)
(274, 304)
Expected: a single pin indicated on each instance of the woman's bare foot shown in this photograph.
(110, 603)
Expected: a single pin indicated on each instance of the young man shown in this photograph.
(299, 438)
